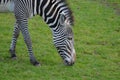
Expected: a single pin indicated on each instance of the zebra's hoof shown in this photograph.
(36, 63)
(13, 57)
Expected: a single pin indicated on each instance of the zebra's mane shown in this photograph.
(70, 15)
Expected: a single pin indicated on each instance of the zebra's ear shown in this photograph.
(62, 19)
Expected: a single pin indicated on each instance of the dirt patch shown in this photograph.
(114, 5)
(117, 11)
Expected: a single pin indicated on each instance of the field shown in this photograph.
(97, 43)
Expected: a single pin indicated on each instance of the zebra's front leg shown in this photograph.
(24, 29)
(14, 40)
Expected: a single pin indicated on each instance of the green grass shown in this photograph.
(97, 44)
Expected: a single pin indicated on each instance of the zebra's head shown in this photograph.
(65, 44)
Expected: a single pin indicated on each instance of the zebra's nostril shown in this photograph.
(68, 63)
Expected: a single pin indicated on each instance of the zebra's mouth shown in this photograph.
(68, 62)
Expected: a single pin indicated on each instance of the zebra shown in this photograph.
(55, 13)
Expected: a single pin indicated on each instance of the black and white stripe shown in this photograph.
(55, 13)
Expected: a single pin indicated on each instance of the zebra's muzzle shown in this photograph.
(68, 63)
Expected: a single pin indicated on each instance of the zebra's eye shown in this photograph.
(69, 38)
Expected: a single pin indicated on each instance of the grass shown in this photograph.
(97, 44)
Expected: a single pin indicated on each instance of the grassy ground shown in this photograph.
(97, 43)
